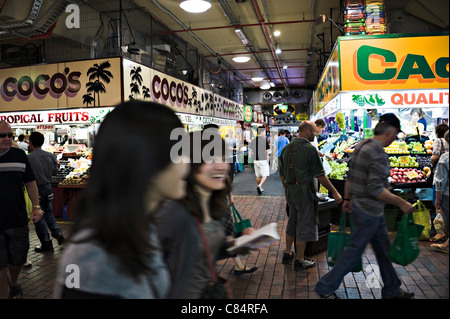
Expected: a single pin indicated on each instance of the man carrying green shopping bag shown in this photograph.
(366, 193)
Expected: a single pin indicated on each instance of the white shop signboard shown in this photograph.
(431, 98)
(56, 117)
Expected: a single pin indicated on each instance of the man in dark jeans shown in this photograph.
(44, 165)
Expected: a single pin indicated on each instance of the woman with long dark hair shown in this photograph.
(199, 212)
(113, 250)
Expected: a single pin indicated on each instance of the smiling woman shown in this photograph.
(182, 222)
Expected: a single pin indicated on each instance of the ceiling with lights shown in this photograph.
(279, 44)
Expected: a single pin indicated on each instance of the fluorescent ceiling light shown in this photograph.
(257, 77)
(241, 36)
(195, 6)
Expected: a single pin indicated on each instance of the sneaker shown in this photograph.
(259, 190)
(304, 264)
(331, 296)
(402, 295)
(41, 249)
(60, 238)
(287, 258)
(440, 248)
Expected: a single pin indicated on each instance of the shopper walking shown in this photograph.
(366, 192)
(191, 230)
(442, 192)
(281, 142)
(259, 152)
(299, 165)
(15, 172)
(114, 242)
(44, 165)
(439, 148)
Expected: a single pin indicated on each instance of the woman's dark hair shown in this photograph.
(132, 146)
(218, 201)
(441, 129)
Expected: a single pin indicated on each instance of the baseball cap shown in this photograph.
(392, 120)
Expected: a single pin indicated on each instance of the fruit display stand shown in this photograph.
(410, 164)
(68, 183)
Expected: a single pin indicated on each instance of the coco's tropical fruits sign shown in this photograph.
(390, 63)
(61, 85)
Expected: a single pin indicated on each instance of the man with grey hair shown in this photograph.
(299, 164)
(366, 193)
(15, 172)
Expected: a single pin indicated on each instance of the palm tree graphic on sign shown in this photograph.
(98, 73)
(88, 99)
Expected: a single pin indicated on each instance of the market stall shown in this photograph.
(367, 76)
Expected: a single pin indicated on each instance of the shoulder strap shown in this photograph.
(291, 164)
(207, 252)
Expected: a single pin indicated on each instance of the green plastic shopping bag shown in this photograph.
(422, 217)
(405, 248)
(338, 241)
(239, 223)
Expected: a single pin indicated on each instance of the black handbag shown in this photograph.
(217, 288)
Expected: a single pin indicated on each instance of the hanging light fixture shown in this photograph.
(265, 85)
(241, 57)
(257, 77)
(278, 50)
(195, 6)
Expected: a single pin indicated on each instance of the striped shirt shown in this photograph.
(15, 171)
(368, 176)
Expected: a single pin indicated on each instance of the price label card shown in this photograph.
(412, 174)
(417, 147)
(402, 147)
(404, 159)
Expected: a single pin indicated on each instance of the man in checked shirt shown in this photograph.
(366, 193)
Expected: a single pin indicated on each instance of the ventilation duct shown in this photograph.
(38, 21)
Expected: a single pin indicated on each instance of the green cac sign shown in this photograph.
(248, 113)
(413, 64)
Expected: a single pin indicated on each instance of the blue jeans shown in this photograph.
(366, 230)
(45, 201)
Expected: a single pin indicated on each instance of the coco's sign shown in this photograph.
(88, 83)
(55, 84)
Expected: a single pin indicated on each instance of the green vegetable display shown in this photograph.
(340, 120)
(338, 171)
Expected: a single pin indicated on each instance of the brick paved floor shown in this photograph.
(427, 276)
